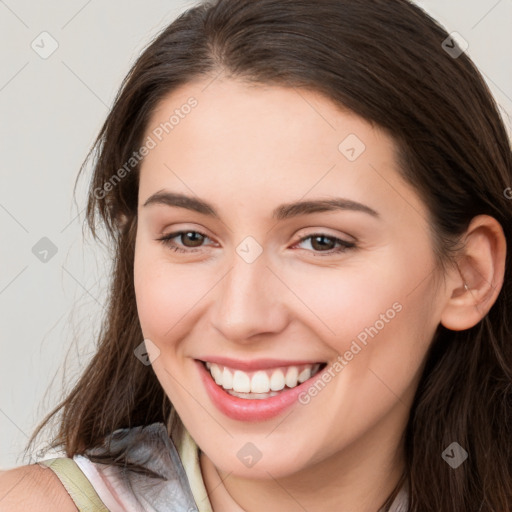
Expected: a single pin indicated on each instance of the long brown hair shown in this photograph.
(384, 60)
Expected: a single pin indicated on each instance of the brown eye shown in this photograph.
(193, 237)
(191, 240)
(322, 243)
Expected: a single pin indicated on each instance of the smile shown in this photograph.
(257, 390)
(261, 383)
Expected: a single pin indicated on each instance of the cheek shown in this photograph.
(382, 334)
(165, 293)
(340, 303)
(372, 314)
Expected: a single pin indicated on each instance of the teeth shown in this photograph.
(263, 382)
(277, 381)
(253, 396)
(304, 375)
(260, 383)
(216, 374)
(291, 376)
(227, 379)
(241, 381)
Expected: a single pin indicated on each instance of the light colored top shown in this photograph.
(96, 487)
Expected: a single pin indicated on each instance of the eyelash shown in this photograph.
(167, 241)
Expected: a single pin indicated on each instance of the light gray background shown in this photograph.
(51, 110)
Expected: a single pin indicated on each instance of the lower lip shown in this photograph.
(244, 409)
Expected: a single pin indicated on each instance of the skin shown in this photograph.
(247, 149)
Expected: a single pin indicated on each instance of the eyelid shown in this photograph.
(166, 239)
(343, 245)
(301, 238)
(320, 231)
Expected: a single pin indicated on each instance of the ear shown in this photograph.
(476, 283)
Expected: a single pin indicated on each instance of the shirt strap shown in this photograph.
(189, 455)
(76, 484)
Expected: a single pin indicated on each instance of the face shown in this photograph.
(317, 317)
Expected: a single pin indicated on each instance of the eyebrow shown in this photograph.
(282, 212)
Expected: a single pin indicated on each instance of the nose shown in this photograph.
(250, 301)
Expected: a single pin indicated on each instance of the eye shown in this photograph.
(320, 242)
(323, 243)
(195, 238)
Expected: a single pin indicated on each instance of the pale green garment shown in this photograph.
(97, 487)
(189, 455)
(76, 483)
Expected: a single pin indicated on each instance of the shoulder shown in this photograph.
(35, 488)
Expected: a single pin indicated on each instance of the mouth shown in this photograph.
(257, 390)
(263, 383)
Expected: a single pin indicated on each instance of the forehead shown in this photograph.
(241, 142)
(233, 120)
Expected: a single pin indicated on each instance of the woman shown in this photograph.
(308, 204)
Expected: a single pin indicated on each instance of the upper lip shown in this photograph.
(255, 364)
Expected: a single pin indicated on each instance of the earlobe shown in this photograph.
(474, 287)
